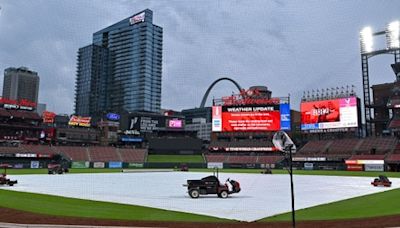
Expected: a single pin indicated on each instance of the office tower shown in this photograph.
(21, 83)
(121, 70)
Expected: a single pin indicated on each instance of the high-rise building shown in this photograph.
(93, 78)
(121, 70)
(21, 83)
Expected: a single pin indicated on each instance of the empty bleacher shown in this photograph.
(315, 147)
(243, 159)
(75, 153)
(377, 145)
(103, 154)
(78, 153)
(269, 159)
(393, 158)
(39, 149)
(216, 157)
(343, 146)
(367, 157)
(348, 147)
(133, 155)
(12, 149)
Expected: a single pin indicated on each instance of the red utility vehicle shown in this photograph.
(381, 181)
(3, 177)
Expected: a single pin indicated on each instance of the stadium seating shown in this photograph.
(243, 159)
(40, 149)
(314, 147)
(397, 149)
(367, 157)
(12, 149)
(393, 158)
(78, 153)
(216, 158)
(103, 154)
(133, 155)
(343, 146)
(379, 145)
(269, 159)
(348, 147)
(75, 153)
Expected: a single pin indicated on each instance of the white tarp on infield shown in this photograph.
(261, 195)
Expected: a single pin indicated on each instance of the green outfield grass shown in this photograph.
(375, 205)
(176, 158)
(62, 206)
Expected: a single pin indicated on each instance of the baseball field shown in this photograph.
(107, 196)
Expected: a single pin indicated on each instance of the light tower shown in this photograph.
(367, 35)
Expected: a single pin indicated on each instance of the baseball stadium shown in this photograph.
(218, 165)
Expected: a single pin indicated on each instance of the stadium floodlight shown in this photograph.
(284, 143)
(393, 35)
(366, 40)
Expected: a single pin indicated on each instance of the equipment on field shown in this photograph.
(266, 171)
(59, 165)
(212, 185)
(184, 167)
(3, 177)
(381, 181)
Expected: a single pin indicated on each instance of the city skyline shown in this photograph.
(312, 45)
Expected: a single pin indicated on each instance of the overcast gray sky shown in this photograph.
(288, 46)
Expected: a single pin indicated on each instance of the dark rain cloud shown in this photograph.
(289, 46)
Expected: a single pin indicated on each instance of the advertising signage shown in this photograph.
(146, 123)
(48, 117)
(272, 117)
(113, 116)
(22, 104)
(149, 124)
(328, 114)
(175, 123)
(79, 121)
(137, 18)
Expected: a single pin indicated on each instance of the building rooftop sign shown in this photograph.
(137, 18)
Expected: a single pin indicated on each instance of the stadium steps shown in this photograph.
(357, 147)
(326, 147)
(204, 157)
(119, 154)
(146, 155)
(394, 149)
(88, 153)
(397, 149)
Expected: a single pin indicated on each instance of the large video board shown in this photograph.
(272, 117)
(328, 114)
